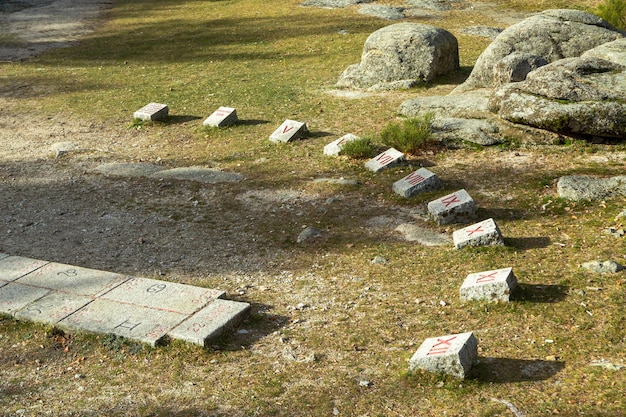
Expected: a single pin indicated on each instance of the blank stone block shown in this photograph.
(334, 148)
(452, 354)
(152, 111)
(387, 159)
(457, 207)
(496, 285)
(224, 116)
(485, 233)
(290, 130)
(420, 181)
(210, 322)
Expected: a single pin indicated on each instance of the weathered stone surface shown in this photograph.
(14, 296)
(457, 207)
(484, 31)
(308, 234)
(603, 267)
(480, 131)
(53, 307)
(584, 187)
(339, 181)
(333, 4)
(452, 354)
(222, 117)
(552, 35)
(400, 52)
(289, 130)
(199, 174)
(435, 5)
(391, 157)
(152, 111)
(516, 66)
(611, 51)
(485, 233)
(62, 148)
(496, 285)
(473, 103)
(14, 267)
(137, 169)
(334, 148)
(383, 12)
(420, 181)
(414, 233)
(574, 95)
(210, 322)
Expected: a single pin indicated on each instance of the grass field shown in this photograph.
(330, 332)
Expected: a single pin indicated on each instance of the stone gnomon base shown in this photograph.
(141, 309)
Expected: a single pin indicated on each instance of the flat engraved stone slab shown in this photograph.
(14, 297)
(387, 159)
(73, 279)
(496, 285)
(452, 354)
(210, 322)
(457, 207)
(485, 233)
(53, 307)
(288, 131)
(222, 117)
(144, 324)
(152, 111)
(14, 267)
(334, 147)
(180, 298)
(420, 181)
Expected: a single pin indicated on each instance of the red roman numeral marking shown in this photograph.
(478, 229)
(441, 346)
(450, 200)
(487, 277)
(384, 159)
(414, 178)
(287, 129)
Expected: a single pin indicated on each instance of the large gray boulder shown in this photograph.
(573, 95)
(403, 55)
(551, 35)
(585, 187)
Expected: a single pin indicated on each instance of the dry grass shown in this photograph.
(360, 321)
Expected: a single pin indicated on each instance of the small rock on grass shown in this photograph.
(603, 267)
(308, 234)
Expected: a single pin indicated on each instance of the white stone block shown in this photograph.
(458, 207)
(496, 285)
(224, 116)
(152, 111)
(485, 233)
(14, 267)
(334, 148)
(420, 181)
(452, 354)
(288, 131)
(387, 159)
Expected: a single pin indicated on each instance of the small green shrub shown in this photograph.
(360, 148)
(614, 12)
(409, 136)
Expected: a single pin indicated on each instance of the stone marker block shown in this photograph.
(53, 307)
(333, 148)
(210, 322)
(457, 207)
(14, 267)
(224, 116)
(387, 159)
(485, 233)
(288, 131)
(146, 325)
(73, 279)
(152, 111)
(163, 295)
(15, 296)
(452, 354)
(496, 285)
(420, 181)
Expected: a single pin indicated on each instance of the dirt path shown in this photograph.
(30, 27)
